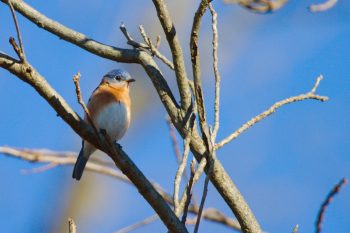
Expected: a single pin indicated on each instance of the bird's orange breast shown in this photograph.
(106, 94)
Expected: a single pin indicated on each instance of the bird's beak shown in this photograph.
(130, 80)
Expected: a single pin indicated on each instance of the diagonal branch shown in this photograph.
(310, 95)
(326, 203)
(69, 158)
(176, 51)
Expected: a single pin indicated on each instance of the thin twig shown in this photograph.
(130, 40)
(72, 227)
(76, 79)
(216, 70)
(180, 173)
(295, 229)
(326, 203)
(173, 138)
(260, 6)
(20, 53)
(212, 160)
(188, 191)
(196, 176)
(328, 4)
(139, 224)
(272, 109)
(40, 169)
(153, 48)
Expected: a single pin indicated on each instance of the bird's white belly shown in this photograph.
(115, 119)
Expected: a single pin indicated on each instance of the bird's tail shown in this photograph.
(79, 165)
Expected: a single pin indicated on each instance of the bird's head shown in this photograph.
(118, 78)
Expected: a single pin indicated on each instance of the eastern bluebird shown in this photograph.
(109, 109)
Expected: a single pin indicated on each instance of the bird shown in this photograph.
(109, 110)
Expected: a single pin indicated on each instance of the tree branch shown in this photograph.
(260, 6)
(196, 69)
(20, 50)
(328, 4)
(69, 158)
(216, 71)
(72, 228)
(153, 49)
(326, 203)
(272, 109)
(176, 51)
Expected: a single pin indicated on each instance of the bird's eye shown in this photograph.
(117, 78)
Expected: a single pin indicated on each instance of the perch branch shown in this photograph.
(326, 203)
(28, 74)
(310, 95)
(69, 158)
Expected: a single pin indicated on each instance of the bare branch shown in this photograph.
(72, 228)
(272, 109)
(179, 174)
(153, 49)
(196, 69)
(212, 160)
(260, 6)
(326, 203)
(142, 223)
(176, 51)
(188, 192)
(216, 71)
(20, 51)
(328, 4)
(295, 229)
(173, 138)
(69, 158)
(130, 40)
(219, 177)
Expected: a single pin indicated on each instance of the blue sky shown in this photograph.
(284, 166)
